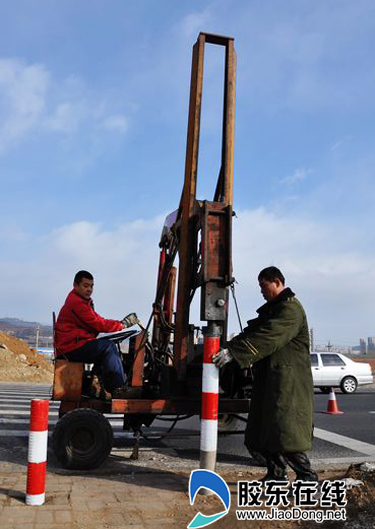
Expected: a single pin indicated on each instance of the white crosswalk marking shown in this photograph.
(15, 405)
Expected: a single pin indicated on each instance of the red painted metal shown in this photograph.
(36, 478)
(39, 415)
(211, 346)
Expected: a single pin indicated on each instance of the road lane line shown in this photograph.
(4, 407)
(347, 442)
(114, 422)
(24, 412)
(25, 433)
(17, 398)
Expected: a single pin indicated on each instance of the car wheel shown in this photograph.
(82, 439)
(325, 390)
(348, 385)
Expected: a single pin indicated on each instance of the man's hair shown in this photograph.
(271, 273)
(82, 274)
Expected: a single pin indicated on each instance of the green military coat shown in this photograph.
(281, 408)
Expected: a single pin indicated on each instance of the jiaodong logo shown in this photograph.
(211, 481)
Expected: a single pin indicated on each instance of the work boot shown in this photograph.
(95, 387)
(104, 394)
(276, 468)
(97, 390)
(300, 463)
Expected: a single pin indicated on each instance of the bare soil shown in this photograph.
(19, 363)
(360, 508)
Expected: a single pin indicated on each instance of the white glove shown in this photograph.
(222, 357)
(130, 319)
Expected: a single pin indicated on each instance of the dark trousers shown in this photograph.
(298, 461)
(104, 355)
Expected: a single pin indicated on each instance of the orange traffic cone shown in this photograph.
(332, 404)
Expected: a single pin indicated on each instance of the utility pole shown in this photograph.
(37, 337)
(312, 340)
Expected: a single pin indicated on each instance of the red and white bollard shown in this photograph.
(210, 399)
(37, 456)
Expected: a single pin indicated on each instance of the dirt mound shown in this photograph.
(361, 500)
(19, 363)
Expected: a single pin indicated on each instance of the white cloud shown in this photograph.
(333, 278)
(33, 100)
(312, 56)
(65, 118)
(11, 232)
(23, 92)
(298, 175)
(193, 23)
(339, 143)
(116, 123)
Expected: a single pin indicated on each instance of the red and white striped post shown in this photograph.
(37, 456)
(210, 398)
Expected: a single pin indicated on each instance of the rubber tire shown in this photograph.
(325, 389)
(96, 439)
(227, 422)
(352, 386)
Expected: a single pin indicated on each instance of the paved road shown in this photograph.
(340, 438)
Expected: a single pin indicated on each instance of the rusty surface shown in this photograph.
(169, 296)
(186, 248)
(216, 242)
(98, 405)
(139, 361)
(216, 239)
(175, 406)
(155, 406)
(67, 384)
(229, 121)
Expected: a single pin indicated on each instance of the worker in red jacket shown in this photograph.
(77, 327)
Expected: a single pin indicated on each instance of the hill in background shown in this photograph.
(34, 333)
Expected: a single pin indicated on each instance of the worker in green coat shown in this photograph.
(280, 424)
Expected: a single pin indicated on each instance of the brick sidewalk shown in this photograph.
(150, 492)
(134, 500)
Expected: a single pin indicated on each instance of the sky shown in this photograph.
(94, 101)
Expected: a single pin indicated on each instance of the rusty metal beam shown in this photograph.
(176, 406)
(189, 211)
(224, 188)
(187, 234)
(155, 406)
(139, 361)
(229, 121)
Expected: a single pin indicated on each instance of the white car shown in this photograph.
(337, 370)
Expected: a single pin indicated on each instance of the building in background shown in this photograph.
(371, 345)
(362, 346)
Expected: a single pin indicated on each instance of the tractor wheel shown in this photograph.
(82, 439)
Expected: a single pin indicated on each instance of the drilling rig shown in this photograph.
(164, 361)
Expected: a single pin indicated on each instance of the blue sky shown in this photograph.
(93, 118)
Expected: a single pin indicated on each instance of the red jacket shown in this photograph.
(78, 323)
